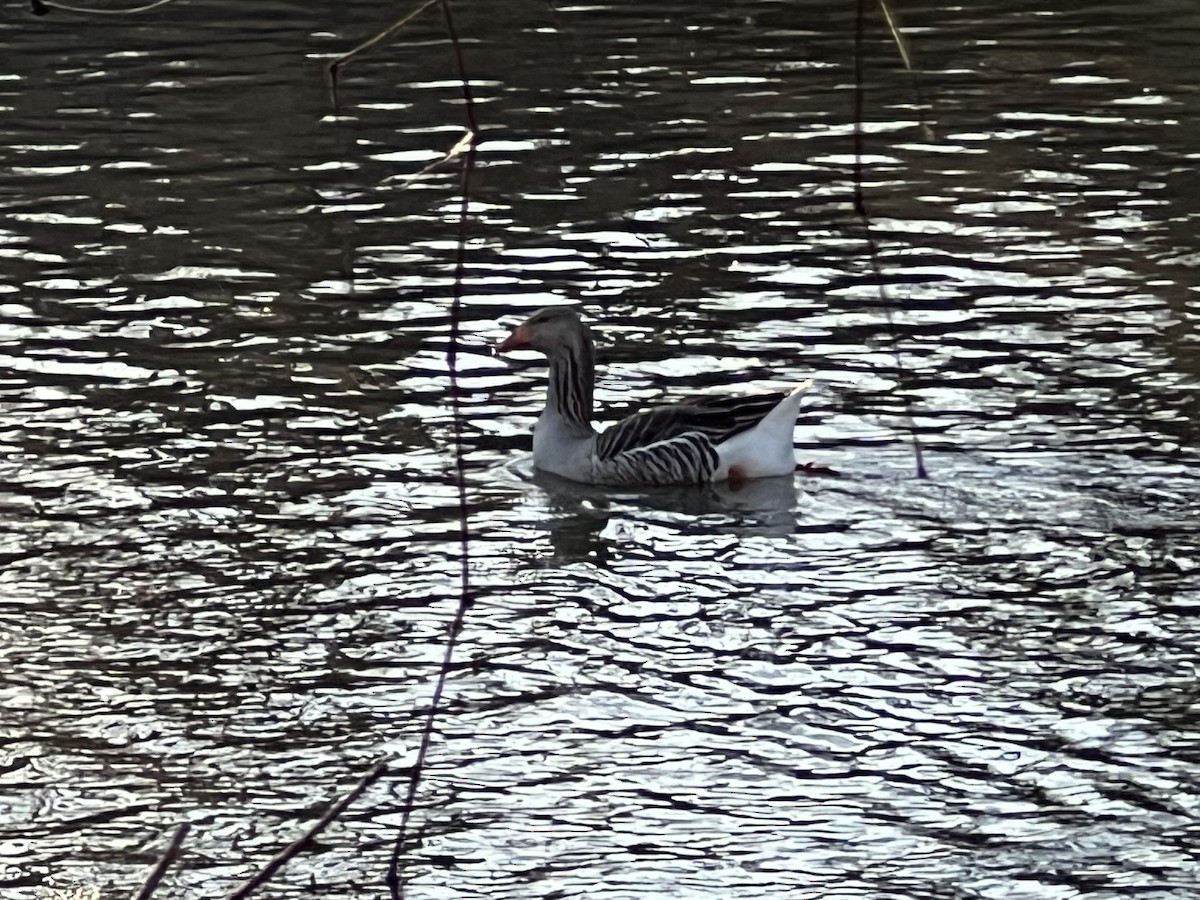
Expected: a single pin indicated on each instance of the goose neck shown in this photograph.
(572, 375)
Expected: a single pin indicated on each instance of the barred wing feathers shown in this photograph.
(714, 418)
(687, 458)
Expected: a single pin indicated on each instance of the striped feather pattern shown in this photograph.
(715, 418)
(684, 459)
(571, 376)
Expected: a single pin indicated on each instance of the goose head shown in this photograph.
(553, 330)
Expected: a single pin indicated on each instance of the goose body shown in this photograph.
(703, 440)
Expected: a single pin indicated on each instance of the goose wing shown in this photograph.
(715, 419)
(687, 458)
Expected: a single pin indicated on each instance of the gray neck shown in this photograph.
(572, 373)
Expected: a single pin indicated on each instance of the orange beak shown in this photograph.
(520, 337)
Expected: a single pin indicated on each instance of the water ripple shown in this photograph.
(230, 539)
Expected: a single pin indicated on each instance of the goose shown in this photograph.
(709, 439)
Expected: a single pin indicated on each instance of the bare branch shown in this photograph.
(284, 856)
(395, 881)
(41, 7)
(386, 34)
(160, 869)
(894, 26)
(453, 153)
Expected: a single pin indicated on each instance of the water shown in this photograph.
(230, 536)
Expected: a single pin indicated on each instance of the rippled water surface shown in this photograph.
(230, 532)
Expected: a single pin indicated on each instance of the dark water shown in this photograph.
(229, 531)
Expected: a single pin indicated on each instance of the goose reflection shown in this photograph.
(586, 522)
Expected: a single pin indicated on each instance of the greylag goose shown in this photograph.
(707, 439)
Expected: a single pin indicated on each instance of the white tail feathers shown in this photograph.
(766, 449)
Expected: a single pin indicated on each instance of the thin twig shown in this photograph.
(860, 209)
(41, 7)
(382, 36)
(453, 153)
(860, 96)
(468, 94)
(160, 869)
(284, 856)
(906, 55)
(394, 880)
(897, 36)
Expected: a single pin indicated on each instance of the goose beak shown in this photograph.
(520, 337)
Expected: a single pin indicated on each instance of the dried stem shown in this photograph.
(160, 869)
(394, 881)
(901, 41)
(41, 7)
(386, 34)
(860, 209)
(464, 143)
(906, 56)
(284, 856)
